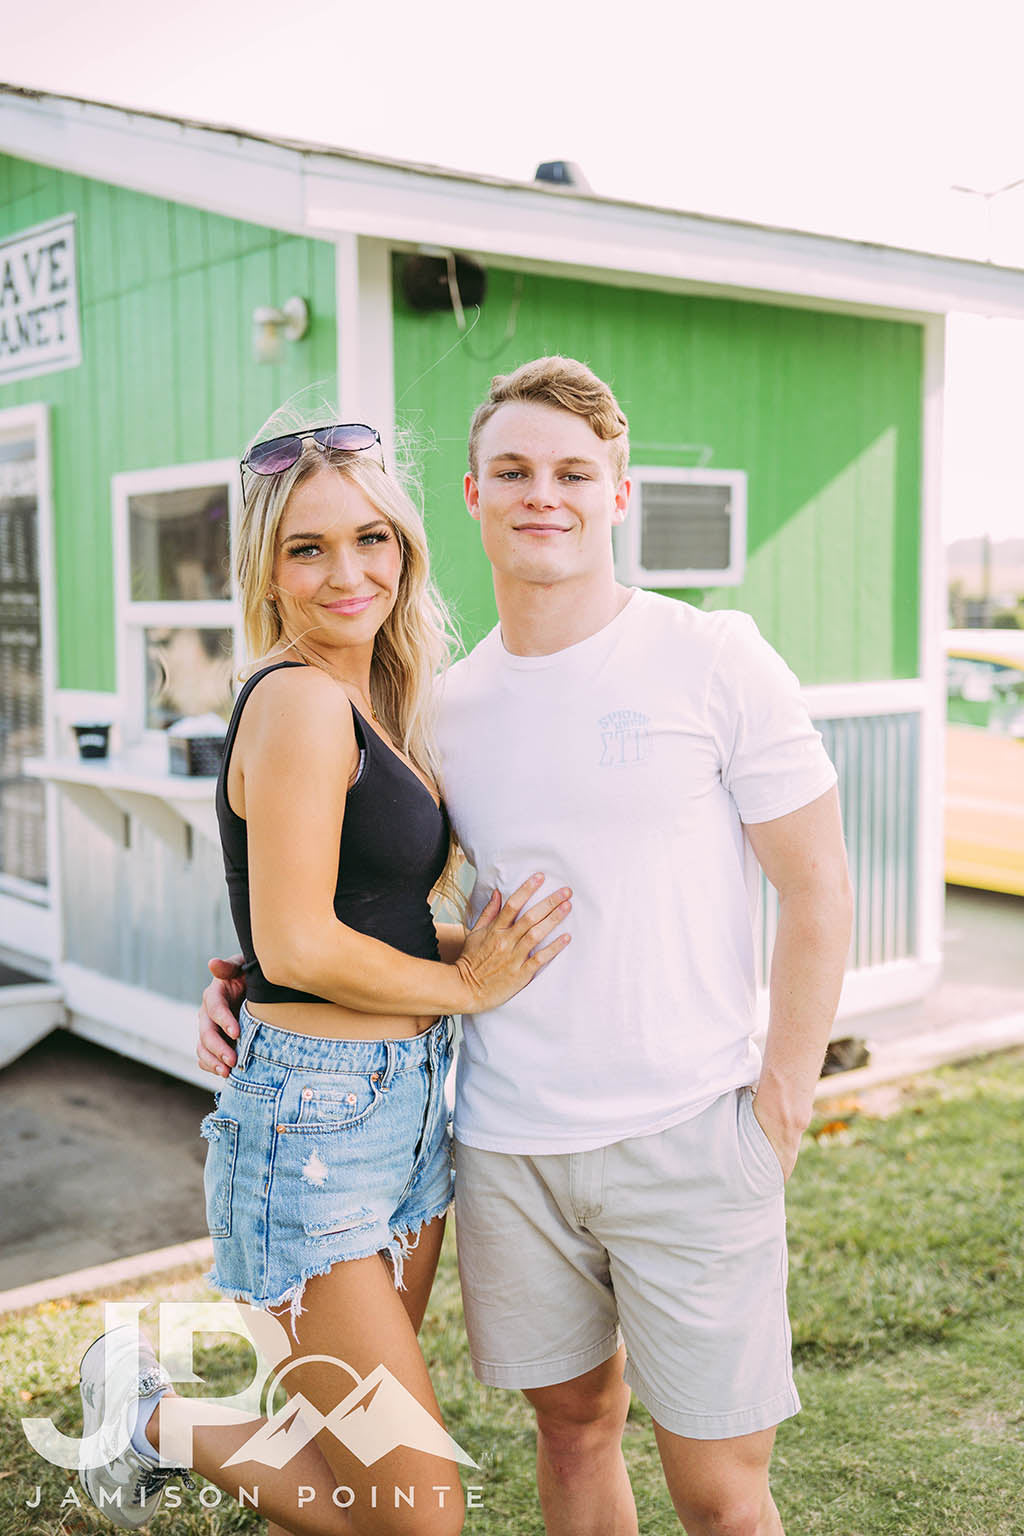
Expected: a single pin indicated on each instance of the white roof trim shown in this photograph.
(313, 190)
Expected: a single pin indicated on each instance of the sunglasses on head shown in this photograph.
(280, 453)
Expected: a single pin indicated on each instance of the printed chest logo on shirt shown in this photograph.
(625, 738)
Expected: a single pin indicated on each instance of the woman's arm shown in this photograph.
(298, 750)
(451, 941)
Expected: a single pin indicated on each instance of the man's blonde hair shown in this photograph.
(567, 385)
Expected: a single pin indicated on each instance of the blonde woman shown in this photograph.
(329, 1172)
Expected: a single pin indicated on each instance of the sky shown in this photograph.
(855, 120)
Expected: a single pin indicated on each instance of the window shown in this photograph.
(23, 859)
(178, 623)
(686, 528)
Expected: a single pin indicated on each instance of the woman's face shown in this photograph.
(337, 563)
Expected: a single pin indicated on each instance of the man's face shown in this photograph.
(545, 495)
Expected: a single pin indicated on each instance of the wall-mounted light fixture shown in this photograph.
(271, 328)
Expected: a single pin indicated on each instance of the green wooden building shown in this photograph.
(785, 395)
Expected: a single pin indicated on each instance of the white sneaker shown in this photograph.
(117, 1370)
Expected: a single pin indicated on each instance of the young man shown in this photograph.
(620, 1204)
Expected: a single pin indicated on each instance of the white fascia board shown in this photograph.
(615, 242)
(323, 194)
(231, 174)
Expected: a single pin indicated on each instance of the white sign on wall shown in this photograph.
(39, 325)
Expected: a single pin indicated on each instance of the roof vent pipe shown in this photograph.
(562, 173)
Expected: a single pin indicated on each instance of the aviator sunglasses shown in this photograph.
(280, 453)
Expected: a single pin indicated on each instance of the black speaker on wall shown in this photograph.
(425, 282)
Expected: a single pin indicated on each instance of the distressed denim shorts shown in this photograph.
(322, 1150)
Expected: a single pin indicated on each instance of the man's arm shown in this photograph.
(804, 857)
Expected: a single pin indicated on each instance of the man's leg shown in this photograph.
(581, 1473)
(720, 1487)
(693, 1221)
(541, 1318)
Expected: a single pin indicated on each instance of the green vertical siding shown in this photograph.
(167, 376)
(822, 411)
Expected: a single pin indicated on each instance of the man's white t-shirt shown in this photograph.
(624, 767)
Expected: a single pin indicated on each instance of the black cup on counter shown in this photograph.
(195, 745)
(93, 740)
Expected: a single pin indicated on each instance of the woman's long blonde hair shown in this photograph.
(417, 639)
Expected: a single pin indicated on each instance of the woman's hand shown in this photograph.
(496, 962)
(218, 1016)
(501, 953)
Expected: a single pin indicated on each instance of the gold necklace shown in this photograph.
(365, 698)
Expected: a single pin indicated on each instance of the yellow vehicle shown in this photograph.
(985, 759)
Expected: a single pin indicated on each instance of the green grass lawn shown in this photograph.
(907, 1299)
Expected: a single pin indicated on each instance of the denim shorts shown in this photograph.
(322, 1150)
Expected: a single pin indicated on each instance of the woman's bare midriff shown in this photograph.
(337, 1023)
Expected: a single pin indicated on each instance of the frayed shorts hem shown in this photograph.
(713, 1426)
(397, 1247)
(547, 1373)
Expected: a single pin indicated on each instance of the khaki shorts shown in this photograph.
(677, 1239)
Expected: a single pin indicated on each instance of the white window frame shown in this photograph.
(628, 542)
(28, 913)
(133, 618)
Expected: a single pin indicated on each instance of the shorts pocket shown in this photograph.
(330, 1101)
(753, 1133)
(219, 1173)
(254, 1087)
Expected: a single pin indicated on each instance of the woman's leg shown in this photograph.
(352, 1314)
(419, 1270)
(418, 1275)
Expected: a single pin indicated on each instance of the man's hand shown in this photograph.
(218, 1017)
(784, 1131)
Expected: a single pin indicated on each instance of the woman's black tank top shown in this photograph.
(394, 843)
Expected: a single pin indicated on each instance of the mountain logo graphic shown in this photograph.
(377, 1416)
